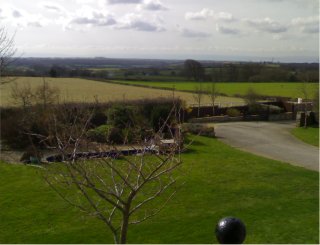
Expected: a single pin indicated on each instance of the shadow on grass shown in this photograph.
(188, 151)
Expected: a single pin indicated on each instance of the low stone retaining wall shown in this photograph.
(226, 118)
(281, 117)
(106, 154)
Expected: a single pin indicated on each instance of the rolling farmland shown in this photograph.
(231, 89)
(76, 89)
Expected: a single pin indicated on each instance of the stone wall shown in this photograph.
(281, 117)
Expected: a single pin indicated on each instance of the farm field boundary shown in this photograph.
(85, 90)
(285, 89)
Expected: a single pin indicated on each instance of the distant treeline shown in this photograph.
(256, 72)
(157, 70)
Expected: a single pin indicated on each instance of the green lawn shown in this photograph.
(278, 202)
(231, 89)
(309, 135)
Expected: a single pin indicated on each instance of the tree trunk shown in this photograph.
(124, 226)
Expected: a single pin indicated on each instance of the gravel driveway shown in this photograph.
(269, 139)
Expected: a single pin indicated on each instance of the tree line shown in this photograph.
(189, 69)
(250, 72)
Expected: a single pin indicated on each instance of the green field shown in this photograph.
(292, 90)
(279, 203)
(309, 135)
(84, 90)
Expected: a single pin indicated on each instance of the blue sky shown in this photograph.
(279, 30)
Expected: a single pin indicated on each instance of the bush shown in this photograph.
(98, 118)
(99, 134)
(115, 136)
(12, 133)
(197, 128)
(233, 112)
(121, 116)
(110, 134)
(17, 126)
(159, 115)
(156, 111)
(272, 109)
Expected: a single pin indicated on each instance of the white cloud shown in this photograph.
(86, 17)
(307, 24)
(224, 16)
(84, 1)
(138, 23)
(97, 20)
(124, 1)
(1, 14)
(152, 5)
(21, 18)
(227, 30)
(52, 7)
(194, 34)
(267, 25)
(206, 13)
(301, 3)
(201, 15)
(35, 24)
(16, 14)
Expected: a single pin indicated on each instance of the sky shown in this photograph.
(248, 30)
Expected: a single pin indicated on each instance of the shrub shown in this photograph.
(189, 109)
(272, 109)
(110, 134)
(251, 98)
(115, 136)
(99, 134)
(159, 115)
(121, 116)
(197, 128)
(233, 112)
(12, 133)
(17, 126)
(98, 118)
(128, 135)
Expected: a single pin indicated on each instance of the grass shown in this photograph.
(309, 135)
(278, 202)
(84, 90)
(231, 89)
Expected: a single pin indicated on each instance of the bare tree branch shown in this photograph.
(113, 187)
(7, 52)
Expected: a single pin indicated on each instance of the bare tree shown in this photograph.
(22, 96)
(316, 104)
(198, 95)
(251, 99)
(212, 94)
(7, 51)
(46, 95)
(116, 187)
(305, 93)
(304, 90)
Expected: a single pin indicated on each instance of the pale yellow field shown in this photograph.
(75, 89)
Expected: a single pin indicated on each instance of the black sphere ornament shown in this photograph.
(230, 230)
